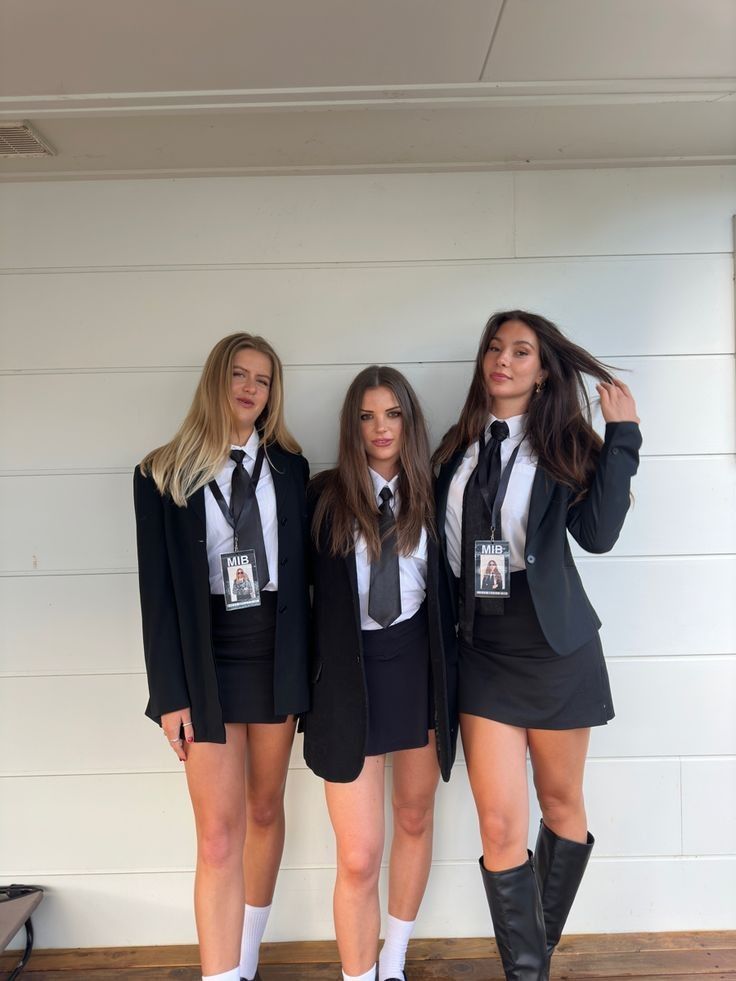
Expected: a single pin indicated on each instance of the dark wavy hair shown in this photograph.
(346, 498)
(558, 423)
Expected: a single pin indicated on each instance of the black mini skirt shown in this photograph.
(243, 645)
(510, 674)
(396, 663)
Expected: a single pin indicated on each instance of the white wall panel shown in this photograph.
(134, 282)
(70, 624)
(624, 212)
(663, 708)
(336, 314)
(91, 623)
(154, 909)
(97, 529)
(646, 608)
(663, 486)
(672, 707)
(115, 418)
(78, 522)
(709, 806)
(257, 219)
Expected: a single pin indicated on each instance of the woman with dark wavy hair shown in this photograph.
(521, 468)
(383, 678)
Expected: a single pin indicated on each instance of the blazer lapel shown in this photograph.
(195, 507)
(542, 491)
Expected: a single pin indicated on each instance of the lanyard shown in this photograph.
(494, 506)
(237, 522)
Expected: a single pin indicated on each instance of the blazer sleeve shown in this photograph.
(595, 522)
(161, 637)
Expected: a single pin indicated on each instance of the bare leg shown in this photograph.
(356, 812)
(215, 775)
(496, 759)
(416, 774)
(558, 762)
(267, 764)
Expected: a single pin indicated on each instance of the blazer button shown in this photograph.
(284, 560)
(530, 560)
(283, 609)
(284, 521)
(614, 450)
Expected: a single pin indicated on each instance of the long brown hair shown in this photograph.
(197, 452)
(558, 418)
(346, 495)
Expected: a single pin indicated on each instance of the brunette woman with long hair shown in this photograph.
(228, 665)
(521, 468)
(383, 678)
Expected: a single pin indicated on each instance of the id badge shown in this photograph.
(493, 569)
(240, 579)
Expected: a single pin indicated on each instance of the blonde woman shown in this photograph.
(227, 668)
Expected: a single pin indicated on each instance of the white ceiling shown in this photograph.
(272, 86)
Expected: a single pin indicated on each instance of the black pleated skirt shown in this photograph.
(243, 645)
(396, 663)
(511, 675)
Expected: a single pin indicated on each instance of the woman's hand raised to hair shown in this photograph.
(617, 402)
(172, 724)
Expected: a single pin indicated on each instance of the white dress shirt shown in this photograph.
(219, 532)
(515, 508)
(412, 568)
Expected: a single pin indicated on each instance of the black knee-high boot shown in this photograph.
(516, 911)
(559, 865)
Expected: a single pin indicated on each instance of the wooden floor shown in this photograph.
(610, 957)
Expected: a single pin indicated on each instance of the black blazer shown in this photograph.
(565, 613)
(336, 727)
(173, 574)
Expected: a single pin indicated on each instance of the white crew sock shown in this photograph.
(233, 975)
(368, 976)
(393, 953)
(255, 919)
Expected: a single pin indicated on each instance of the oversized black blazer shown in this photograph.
(173, 573)
(336, 727)
(565, 613)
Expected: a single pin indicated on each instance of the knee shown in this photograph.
(265, 812)
(501, 831)
(414, 820)
(220, 844)
(561, 804)
(360, 864)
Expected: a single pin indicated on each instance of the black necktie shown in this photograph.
(490, 460)
(243, 500)
(480, 493)
(384, 599)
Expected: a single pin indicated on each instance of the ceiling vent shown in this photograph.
(21, 140)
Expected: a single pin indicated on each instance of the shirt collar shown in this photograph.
(251, 446)
(516, 424)
(380, 482)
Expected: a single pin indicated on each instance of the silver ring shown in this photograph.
(174, 741)
(185, 724)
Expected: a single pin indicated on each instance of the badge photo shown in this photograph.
(240, 580)
(492, 569)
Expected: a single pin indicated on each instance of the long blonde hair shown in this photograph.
(196, 453)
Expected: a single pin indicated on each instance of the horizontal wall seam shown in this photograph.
(326, 366)
(301, 766)
(587, 558)
(349, 264)
(19, 874)
(314, 464)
